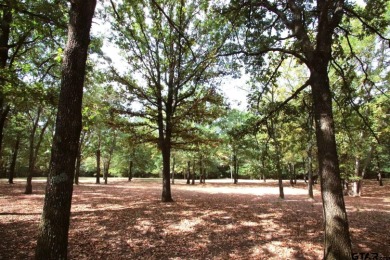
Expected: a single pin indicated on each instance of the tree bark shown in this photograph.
(31, 162)
(356, 183)
(5, 29)
(13, 161)
(310, 170)
(78, 159)
(106, 168)
(166, 193)
(165, 140)
(173, 170)
(235, 169)
(280, 178)
(188, 172)
(360, 171)
(34, 149)
(3, 116)
(107, 161)
(293, 179)
(380, 179)
(262, 174)
(193, 173)
(98, 166)
(337, 239)
(130, 169)
(78, 165)
(202, 171)
(52, 240)
(278, 163)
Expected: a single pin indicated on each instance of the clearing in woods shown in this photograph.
(216, 220)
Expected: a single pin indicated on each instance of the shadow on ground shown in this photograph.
(125, 220)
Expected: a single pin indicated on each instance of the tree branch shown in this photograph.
(173, 24)
(294, 95)
(376, 31)
(259, 53)
(115, 11)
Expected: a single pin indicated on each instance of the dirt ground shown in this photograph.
(216, 220)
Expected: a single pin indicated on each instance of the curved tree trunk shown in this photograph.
(52, 240)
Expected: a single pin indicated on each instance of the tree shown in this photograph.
(167, 45)
(111, 139)
(230, 130)
(359, 81)
(84, 135)
(35, 143)
(30, 33)
(53, 230)
(306, 30)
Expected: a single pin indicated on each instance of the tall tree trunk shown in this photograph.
(52, 240)
(78, 166)
(310, 170)
(293, 179)
(357, 174)
(3, 116)
(130, 169)
(5, 29)
(34, 148)
(98, 166)
(188, 172)
(165, 142)
(280, 178)
(78, 158)
(360, 171)
(107, 161)
(263, 168)
(31, 158)
(278, 163)
(106, 168)
(200, 170)
(173, 170)
(380, 181)
(193, 173)
(166, 193)
(13, 161)
(337, 238)
(235, 169)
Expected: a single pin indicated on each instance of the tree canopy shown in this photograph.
(316, 72)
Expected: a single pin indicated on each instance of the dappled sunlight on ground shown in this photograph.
(216, 220)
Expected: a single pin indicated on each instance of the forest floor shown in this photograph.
(216, 220)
